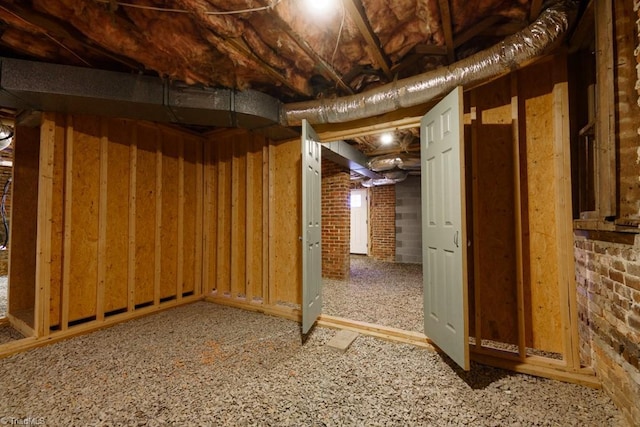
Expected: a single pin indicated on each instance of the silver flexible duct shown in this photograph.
(514, 52)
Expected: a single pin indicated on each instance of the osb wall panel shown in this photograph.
(82, 197)
(54, 129)
(169, 217)
(117, 216)
(542, 296)
(130, 212)
(22, 241)
(144, 206)
(236, 210)
(285, 217)
(494, 220)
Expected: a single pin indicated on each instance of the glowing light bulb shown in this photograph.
(320, 6)
(386, 138)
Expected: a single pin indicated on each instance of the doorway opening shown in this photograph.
(6, 172)
(381, 282)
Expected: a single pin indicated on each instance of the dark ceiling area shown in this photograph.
(287, 49)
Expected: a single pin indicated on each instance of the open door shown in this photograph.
(443, 228)
(311, 229)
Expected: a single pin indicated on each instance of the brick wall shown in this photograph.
(336, 221)
(383, 222)
(608, 279)
(608, 263)
(408, 221)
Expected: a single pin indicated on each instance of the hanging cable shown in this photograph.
(3, 211)
(166, 9)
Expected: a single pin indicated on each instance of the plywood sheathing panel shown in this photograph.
(252, 191)
(98, 232)
(145, 214)
(254, 233)
(285, 225)
(223, 230)
(210, 220)
(542, 297)
(57, 227)
(191, 214)
(494, 229)
(24, 211)
(117, 216)
(239, 215)
(85, 200)
(170, 148)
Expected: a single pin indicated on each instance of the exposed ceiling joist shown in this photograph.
(536, 7)
(326, 69)
(240, 47)
(445, 16)
(355, 10)
(427, 49)
(505, 29)
(479, 28)
(57, 31)
(583, 36)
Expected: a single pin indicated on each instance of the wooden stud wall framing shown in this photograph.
(251, 221)
(118, 215)
(524, 285)
(133, 218)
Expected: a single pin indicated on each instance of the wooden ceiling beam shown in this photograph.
(583, 36)
(479, 28)
(428, 49)
(326, 69)
(241, 48)
(52, 28)
(445, 17)
(534, 12)
(356, 11)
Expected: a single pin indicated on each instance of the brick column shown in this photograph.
(336, 221)
(383, 222)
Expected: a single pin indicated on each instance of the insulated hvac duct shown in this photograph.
(515, 52)
(387, 162)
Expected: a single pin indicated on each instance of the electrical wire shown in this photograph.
(3, 211)
(335, 50)
(49, 36)
(166, 9)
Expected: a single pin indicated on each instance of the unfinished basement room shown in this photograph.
(320, 213)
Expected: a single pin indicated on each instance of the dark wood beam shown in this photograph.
(428, 49)
(325, 69)
(583, 36)
(356, 11)
(471, 32)
(56, 30)
(445, 17)
(239, 46)
(506, 29)
(534, 12)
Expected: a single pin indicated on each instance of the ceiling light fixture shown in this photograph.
(386, 138)
(320, 7)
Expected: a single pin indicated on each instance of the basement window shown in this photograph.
(593, 117)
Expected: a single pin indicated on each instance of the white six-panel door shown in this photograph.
(443, 228)
(311, 228)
